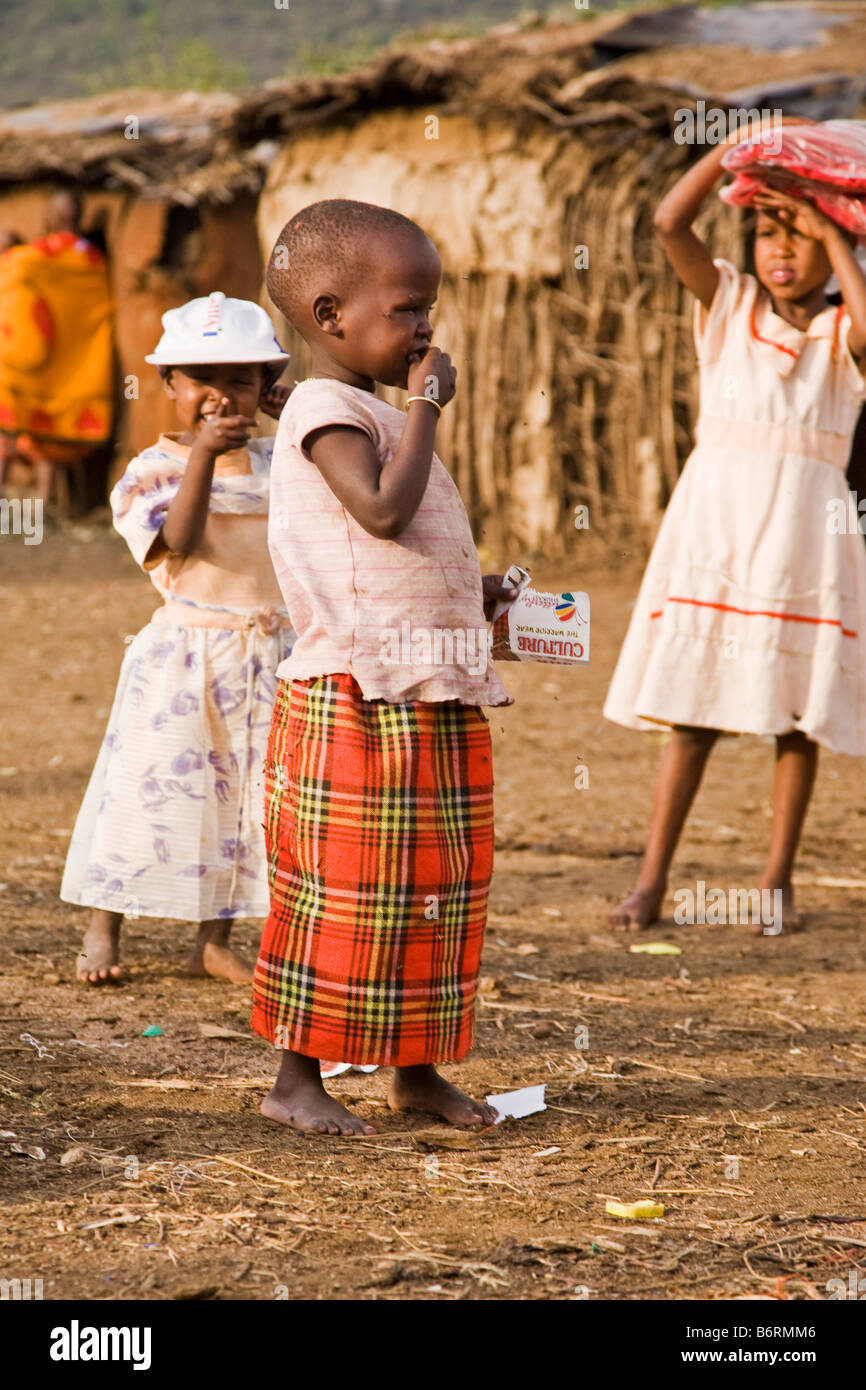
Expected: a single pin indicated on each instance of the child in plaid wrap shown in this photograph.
(379, 790)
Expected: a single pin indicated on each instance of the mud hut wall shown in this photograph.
(160, 254)
(577, 383)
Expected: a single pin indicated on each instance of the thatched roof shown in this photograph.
(605, 78)
(184, 147)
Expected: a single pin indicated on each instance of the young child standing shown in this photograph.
(171, 822)
(751, 617)
(379, 792)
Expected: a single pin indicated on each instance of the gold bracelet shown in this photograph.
(428, 399)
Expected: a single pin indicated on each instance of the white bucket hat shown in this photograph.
(216, 329)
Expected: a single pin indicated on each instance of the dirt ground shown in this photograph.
(725, 1082)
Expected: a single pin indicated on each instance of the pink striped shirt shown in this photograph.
(403, 616)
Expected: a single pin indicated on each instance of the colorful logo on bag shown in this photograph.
(565, 607)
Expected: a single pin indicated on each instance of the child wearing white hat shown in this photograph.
(171, 823)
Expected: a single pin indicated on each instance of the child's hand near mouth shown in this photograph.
(221, 432)
(432, 363)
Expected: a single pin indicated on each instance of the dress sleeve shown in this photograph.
(316, 404)
(139, 502)
(711, 325)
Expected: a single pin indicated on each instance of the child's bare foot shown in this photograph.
(299, 1100)
(637, 911)
(221, 962)
(213, 956)
(422, 1088)
(97, 961)
(788, 920)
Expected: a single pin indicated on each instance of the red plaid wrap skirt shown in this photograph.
(379, 836)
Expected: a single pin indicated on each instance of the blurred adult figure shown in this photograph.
(56, 346)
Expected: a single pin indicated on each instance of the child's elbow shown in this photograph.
(385, 528)
(663, 222)
(178, 544)
(383, 518)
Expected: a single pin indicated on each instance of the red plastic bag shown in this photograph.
(823, 164)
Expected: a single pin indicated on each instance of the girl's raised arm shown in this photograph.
(852, 282)
(689, 256)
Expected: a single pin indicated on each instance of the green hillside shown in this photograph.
(51, 49)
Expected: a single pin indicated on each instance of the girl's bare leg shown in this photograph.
(794, 779)
(212, 955)
(97, 962)
(682, 767)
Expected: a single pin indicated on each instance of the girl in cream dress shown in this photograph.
(751, 617)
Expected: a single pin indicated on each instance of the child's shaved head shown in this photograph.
(336, 239)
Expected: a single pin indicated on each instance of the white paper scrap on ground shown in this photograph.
(513, 1105)
(329, 1069)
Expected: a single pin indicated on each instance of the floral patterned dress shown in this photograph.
(171, 823)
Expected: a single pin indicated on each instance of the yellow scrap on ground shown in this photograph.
(635, 1211)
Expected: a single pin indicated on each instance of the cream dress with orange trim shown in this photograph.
(751, 616)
